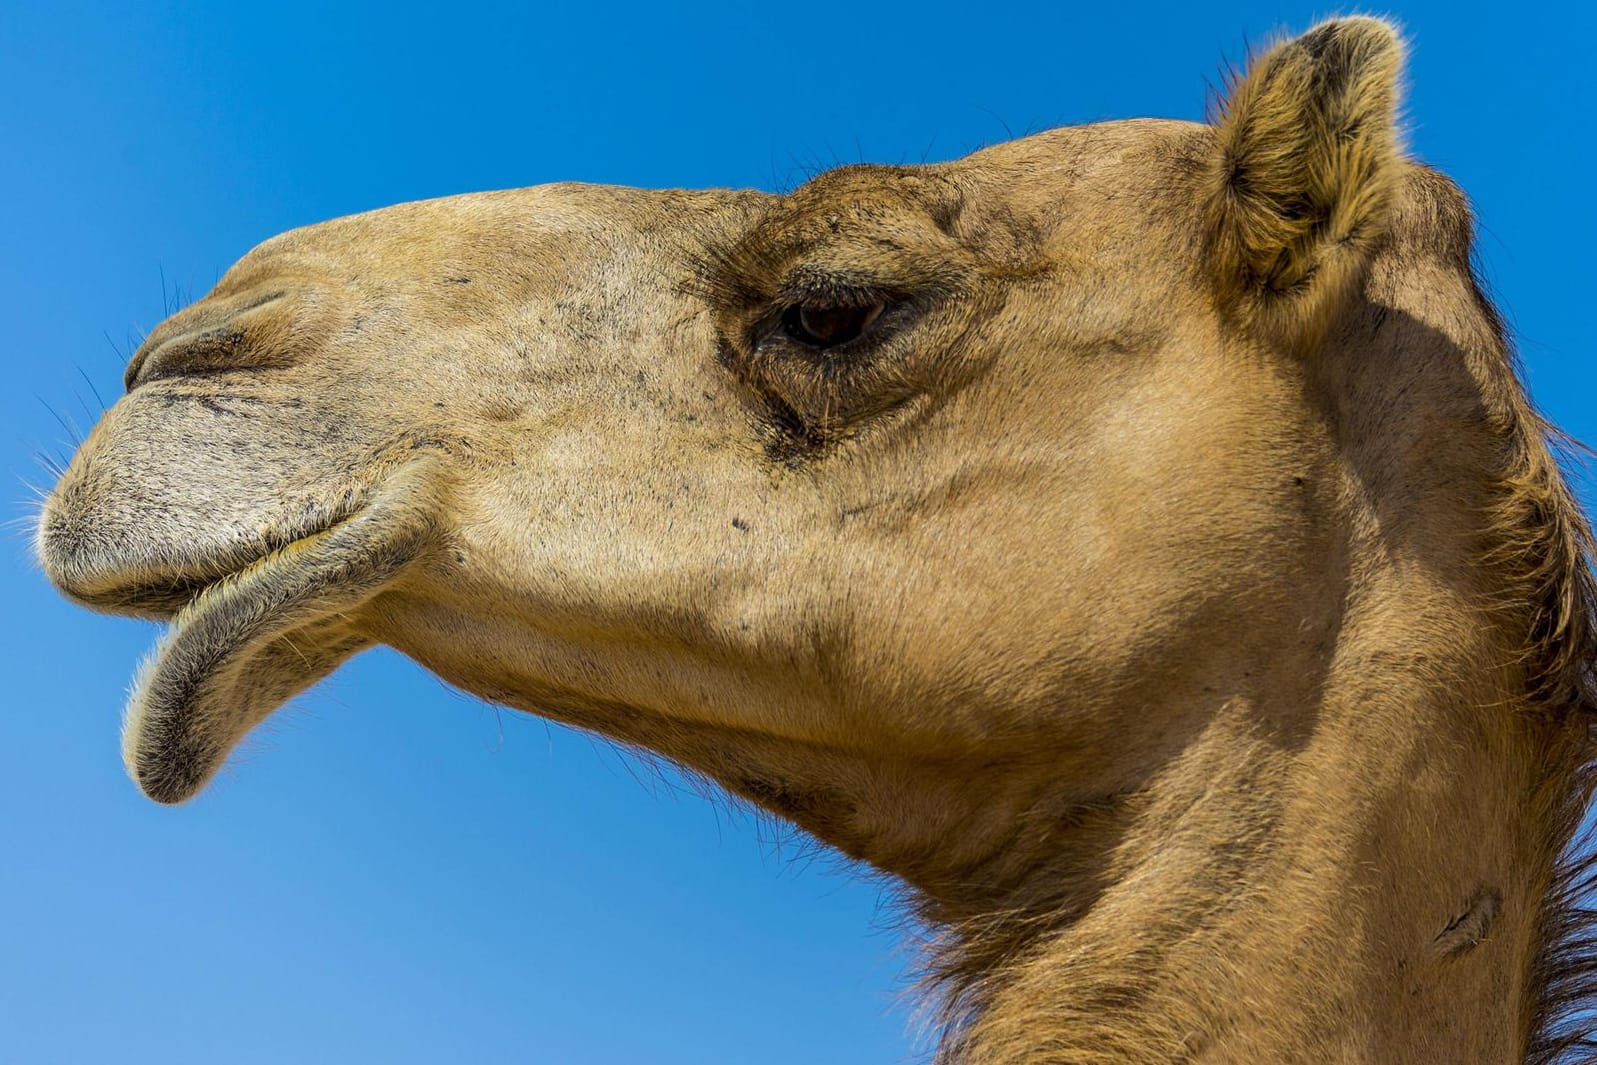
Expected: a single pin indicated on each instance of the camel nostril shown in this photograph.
(216, 340)
(130, 376)
(191, 355)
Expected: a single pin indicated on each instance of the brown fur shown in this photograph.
(1172, 586)
(1303, 181)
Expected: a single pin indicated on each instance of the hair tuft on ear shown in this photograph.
(1303, 175)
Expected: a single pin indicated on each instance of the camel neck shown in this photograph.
(1262, 901)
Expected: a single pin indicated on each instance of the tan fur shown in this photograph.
(1303, 182)
(1174, 589)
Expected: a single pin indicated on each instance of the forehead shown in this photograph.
(1114, 175)
(1100, 153)
(1136, 169)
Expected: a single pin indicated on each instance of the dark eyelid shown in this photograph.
(836, 291)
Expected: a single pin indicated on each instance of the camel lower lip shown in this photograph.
(250, 641)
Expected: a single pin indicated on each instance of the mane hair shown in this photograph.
(1563, 979)
(1545, 545)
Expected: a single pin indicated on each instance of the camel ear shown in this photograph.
(1303, 175)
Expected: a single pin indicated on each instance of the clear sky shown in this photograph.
(395, 873)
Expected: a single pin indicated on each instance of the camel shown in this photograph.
(1133, 538)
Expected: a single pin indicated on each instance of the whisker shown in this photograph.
(22, 523)
(71, 431)
(88, 415)
(90, 382)
(51, 464)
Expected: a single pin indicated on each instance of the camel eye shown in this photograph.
(825, 326)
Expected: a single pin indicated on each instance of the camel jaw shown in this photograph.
(249, 642)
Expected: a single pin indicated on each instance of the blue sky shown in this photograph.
(393, 872)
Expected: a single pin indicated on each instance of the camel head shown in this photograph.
(911, 505)
(913, 460)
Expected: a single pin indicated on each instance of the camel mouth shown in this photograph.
(178, 598)
(170, 598)
(127, 581)
(132, 591)
(161, 599)
(246, 643)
